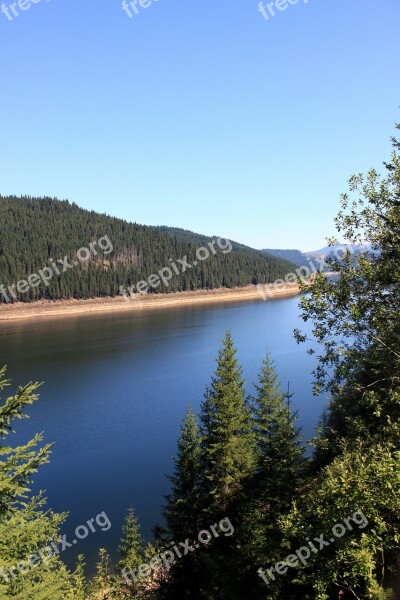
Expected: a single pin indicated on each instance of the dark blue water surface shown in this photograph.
(117, 388)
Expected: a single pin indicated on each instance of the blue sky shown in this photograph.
(200, 113)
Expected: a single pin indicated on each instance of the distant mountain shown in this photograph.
(325, 251)
(313, 259)
(328, 250)
(337, 249)
(39, 233)
(294, 256)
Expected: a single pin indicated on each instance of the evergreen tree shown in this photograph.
(79, 584)
(29, 569)
(131, 545)
(182, 512)
(277, 477)
(129, 584)
(101, 585)
(228, 460)
(227, 440)
(280, 453)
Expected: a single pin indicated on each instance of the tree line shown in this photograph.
(36, 231)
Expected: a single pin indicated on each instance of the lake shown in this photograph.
(116, 388)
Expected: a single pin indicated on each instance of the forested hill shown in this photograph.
(36, 233)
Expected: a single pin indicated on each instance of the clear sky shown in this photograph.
(199, 114)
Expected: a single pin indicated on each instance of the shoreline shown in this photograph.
(63, 308)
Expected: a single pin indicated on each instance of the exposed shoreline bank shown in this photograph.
(64, 308)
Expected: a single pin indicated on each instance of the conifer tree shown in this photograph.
(183, 503)
(131, 545)
(101, 584)
(276, 479)
(227, 462)
(131, 550)
(182, 511)
(227, 441)
(29, 569)
(79, 586)
(280, 452)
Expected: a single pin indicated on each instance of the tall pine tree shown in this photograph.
(280, 453)
(275, 481)
(228, 459)
(182, 511)
(227, 441)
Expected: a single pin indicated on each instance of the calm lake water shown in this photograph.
(116, 388)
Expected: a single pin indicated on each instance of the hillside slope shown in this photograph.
(37, 233)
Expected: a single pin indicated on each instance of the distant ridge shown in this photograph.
(294, 256)
(315, 258)
(330, 250)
